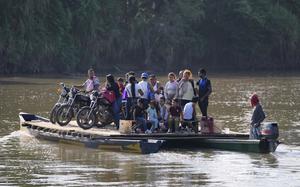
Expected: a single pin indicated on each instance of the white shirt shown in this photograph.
(188, 111)
(128, 90)
(144, 85)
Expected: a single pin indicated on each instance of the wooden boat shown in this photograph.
(140, 143)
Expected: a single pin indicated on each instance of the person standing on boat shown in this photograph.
(111, 85)
(133, 91)
(258, 116)
(171, 87)
(146, 88)
(204, 90)
(91, 84)
(186, 90)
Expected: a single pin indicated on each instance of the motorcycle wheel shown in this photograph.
(83, 120)
(63, 117)
(53, 112)
(105, 116)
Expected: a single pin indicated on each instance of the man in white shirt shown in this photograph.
(189, 115)
(146, 88)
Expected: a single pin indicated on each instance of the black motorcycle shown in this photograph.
(68, 110)
(63, 98)
(99, 112)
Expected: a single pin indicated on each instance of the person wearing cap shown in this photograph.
(258, 116)
(146, 88)
(204, 91)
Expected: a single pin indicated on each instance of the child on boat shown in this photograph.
(152, 116)
(189, 115)
(139, 116)
(174, 116)
(163, 113)
(258, 116)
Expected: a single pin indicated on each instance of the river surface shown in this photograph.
(26, 161)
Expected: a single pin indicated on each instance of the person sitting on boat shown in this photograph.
(152, 116)
(189, 115)
(163, 113)
(139, 116)
(91, 84)
(133, 92)
(258, 116)
(174, 116)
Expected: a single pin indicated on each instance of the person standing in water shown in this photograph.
(258, 116)
(204, 90)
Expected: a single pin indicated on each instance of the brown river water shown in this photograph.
(26, 161)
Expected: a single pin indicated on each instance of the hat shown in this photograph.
(144, 75)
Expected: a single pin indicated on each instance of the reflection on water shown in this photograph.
(26, 160)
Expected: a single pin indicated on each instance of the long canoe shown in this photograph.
(140, 143)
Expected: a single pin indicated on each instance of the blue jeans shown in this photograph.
(154, 124)
(141, 122)
(254, 132)
(116, 109)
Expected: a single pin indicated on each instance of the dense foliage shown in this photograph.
(66, 36)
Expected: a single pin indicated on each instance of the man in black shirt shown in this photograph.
(204, 91)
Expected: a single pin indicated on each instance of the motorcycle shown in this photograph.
(63, 98)
(99, 112)
(68, 110)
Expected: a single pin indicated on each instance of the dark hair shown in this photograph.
(195, 99)
(110, 78)
(120, 79)
(132, 82)
(152, 76)
(203, 71)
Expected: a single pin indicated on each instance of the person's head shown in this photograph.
(202, 73)
(132, 79)
(171, 76)
(187, 74)
(195, 100)
(152, 103)
(140, 103)
(110, 78)
(180, 74)
(144, 76)
(152, 79)
(254, 100)
(91, 73)
(162, 101)
(175, 102)
(120, 80)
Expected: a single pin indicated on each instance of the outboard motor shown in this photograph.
(270, 130)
